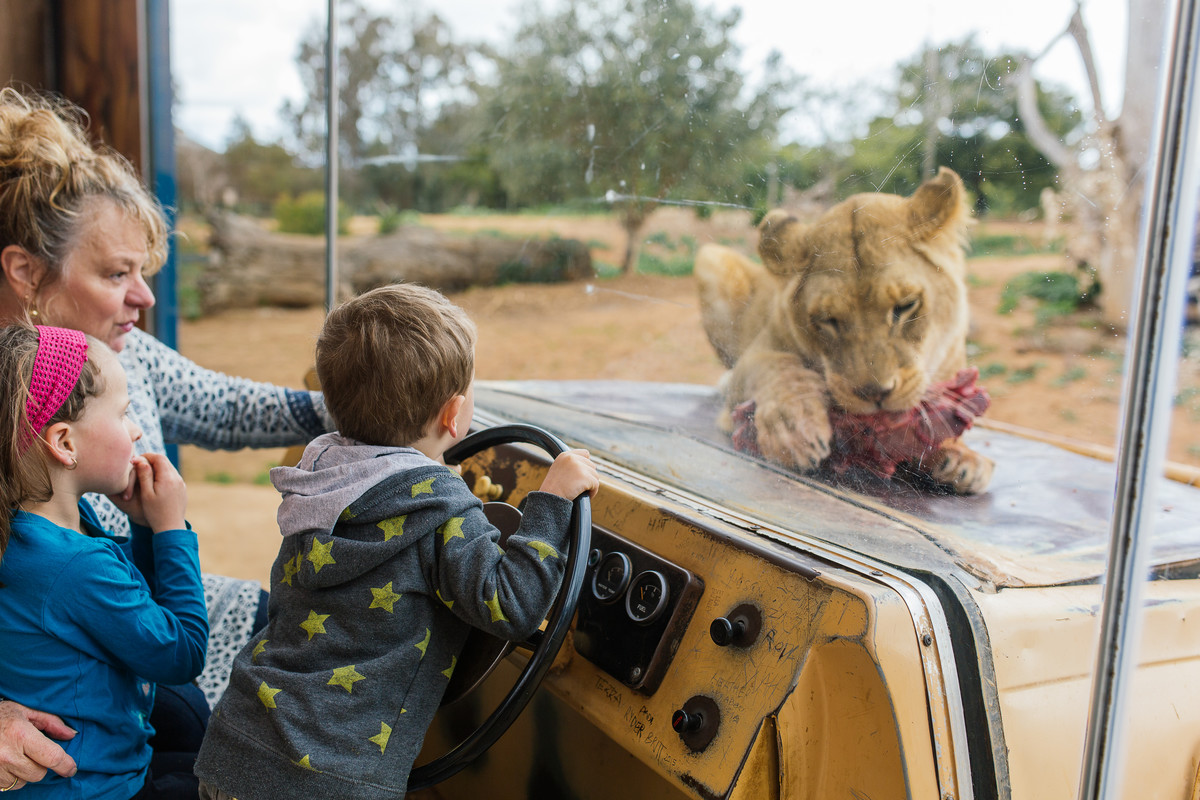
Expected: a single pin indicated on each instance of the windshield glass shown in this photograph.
(857, 282)
(928, 230)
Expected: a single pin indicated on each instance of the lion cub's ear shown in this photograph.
(939, 206)
(782, 243)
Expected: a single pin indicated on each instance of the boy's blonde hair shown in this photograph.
(389, 359)
(24, 476)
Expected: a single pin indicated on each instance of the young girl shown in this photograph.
(95, 623)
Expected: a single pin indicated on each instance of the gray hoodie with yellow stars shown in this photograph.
(386, 562)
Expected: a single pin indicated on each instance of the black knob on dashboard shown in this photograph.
(683, 722)
(725, 631)
(739, 627)
(697, 722)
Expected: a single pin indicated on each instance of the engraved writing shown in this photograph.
(609, 691)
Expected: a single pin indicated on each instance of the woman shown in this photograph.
(79, 235)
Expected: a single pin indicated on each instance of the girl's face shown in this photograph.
(101, 290)
(104, 435)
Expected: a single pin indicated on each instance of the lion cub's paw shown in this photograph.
(797, 435)
(961, 468)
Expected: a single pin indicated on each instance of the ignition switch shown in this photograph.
(697, 722)
(739, 627)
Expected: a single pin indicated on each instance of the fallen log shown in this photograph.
(249, 266)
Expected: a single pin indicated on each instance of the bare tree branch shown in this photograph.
(1079, 32)
(1035, 127)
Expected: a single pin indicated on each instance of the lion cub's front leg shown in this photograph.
(960, 468)
(792, 413)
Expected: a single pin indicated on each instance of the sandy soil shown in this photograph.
(1064, 379)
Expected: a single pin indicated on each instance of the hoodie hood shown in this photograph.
(333, 473)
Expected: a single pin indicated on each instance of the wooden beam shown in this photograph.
(99, 56)
(24, 43)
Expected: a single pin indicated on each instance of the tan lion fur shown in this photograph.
(863, 308)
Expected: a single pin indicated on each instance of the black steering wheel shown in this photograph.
(545, 644)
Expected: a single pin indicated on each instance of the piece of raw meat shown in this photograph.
(882, 441)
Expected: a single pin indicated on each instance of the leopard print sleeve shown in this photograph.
(202, 407)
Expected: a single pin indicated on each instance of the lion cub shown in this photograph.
(861, 312)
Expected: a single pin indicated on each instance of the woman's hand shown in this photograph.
(157, 496)
(26, 750)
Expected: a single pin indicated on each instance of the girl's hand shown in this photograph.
(572, 474)
(156, 497)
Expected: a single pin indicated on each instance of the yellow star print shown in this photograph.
(452, 529)
(346, 677)
(321, 555)
(392, 527)
(424, 642)
(314, 624)
(543, 550)
(493, 606)
(290, 568)
(266, 695)
(449, 603)
(304, 762)
(384, 598)
(381, 739)
(258, 650)
(424, 487)
(448, 671)
(346, 515)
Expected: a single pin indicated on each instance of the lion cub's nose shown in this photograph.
(873, 392)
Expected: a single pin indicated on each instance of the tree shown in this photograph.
(260, 172)
(395, 75)
(1102, 176)
(953, 105)
(638, 101)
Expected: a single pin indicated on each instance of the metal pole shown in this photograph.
(1168, 227)
(331, 159)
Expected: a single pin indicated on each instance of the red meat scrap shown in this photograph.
(882, 441)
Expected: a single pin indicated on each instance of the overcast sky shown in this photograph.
(233, 57)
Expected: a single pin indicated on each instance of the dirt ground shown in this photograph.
(1063, 378)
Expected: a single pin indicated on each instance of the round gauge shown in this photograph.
(612, 576)
(647, 598)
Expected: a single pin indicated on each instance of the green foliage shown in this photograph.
(1056, 293)
(564, 252)
(1007, 244)
(636, 101)
(993, 369)
(662, 255)
(391, 219)
(260, 172)
(952, 105)
(1071, 375)
(306, 214)
(653, 264)
(1024, 374)
(191, 266)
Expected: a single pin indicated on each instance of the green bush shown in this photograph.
(391, 219)
(306, 214)
(1056, 293)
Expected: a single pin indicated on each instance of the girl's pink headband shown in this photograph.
(61, 353)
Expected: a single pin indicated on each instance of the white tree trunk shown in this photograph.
(1100, 206)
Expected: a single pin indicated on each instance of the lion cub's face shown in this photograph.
(876, 299)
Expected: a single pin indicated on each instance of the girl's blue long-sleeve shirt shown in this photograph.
(89, 627)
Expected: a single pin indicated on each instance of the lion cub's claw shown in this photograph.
(962, 469)
(795, 437)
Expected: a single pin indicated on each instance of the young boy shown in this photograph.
(386, 561)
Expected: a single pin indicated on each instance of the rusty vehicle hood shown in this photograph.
(1044, 521)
